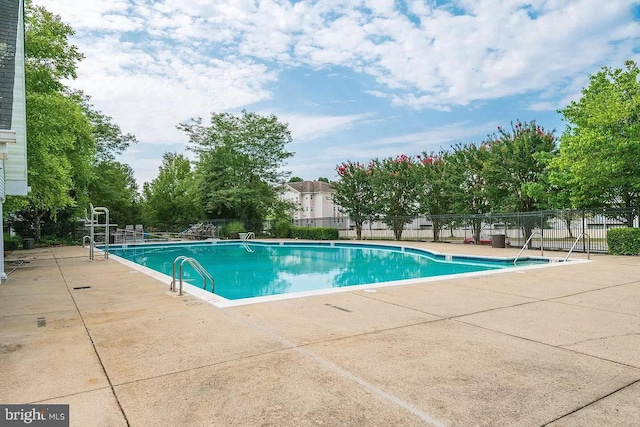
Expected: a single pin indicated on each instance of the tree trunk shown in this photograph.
(436, 229)
(567, 221)
(398, 227)
(477, 228)
(37, 217)
(629, 212)
(359, 230)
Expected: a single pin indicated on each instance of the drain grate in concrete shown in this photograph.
(41, 322)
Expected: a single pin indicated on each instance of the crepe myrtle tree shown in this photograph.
(397, 191)
(465, 186)
(515, 171)
(430, 174)
(354, 193)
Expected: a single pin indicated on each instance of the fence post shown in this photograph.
(583, 228)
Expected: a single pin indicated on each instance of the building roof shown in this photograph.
(311, 187)
(9, 12)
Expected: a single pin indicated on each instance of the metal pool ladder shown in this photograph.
(247, 236)
(196, 266)
(576, 242)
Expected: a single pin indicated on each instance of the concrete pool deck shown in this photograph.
(558, 346)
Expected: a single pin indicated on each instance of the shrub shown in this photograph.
(282, 229)
(11, 243)
(624, 241)
(236, 227)
(232, 227)
(315, 233)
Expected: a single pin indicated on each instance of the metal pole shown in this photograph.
(91, 233)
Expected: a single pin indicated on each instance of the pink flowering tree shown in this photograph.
(431, 177)
(516, 169)
(466, 185)
(354, 193)
(397, 191)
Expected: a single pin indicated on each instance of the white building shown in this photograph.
(312, 200)
(13, 119)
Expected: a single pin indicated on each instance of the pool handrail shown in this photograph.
(576, 242)
(198, 269)
(527, 243)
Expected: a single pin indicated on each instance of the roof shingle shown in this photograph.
(8, 35)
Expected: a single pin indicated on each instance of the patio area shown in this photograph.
(556, 346)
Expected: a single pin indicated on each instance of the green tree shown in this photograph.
(239, 165)
(171, 201)
(397, 191)
(295, 179)
(466, 184)
(61, 148)
(112, 183)
(109, 138)
(600, 148)
(431, 175)
(515, 171)
(115, 187)
(49, 57)
(516, 166)
(68, 141)
(354, 193)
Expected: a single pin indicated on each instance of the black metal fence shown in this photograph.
(558, 230)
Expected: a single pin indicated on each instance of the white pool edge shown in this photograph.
(222, 302)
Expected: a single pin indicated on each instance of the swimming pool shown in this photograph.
(247, 270)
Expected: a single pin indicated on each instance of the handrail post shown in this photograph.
(91, 234)
(576, 242)
(172, 286)
(196, 266)
(180, 293)
(527, 243)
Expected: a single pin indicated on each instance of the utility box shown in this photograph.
(27, 243)
(498, 241)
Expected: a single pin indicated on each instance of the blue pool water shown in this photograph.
(245, 270)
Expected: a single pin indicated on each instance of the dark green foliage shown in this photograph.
(235, 227)
(171, 200)
(354, 193)
(282, 229)
(11, 243)
(114, 187)
(598, 160)
(229, 228)
(624, 241)
(315, 233)
(71, 146)
(239, 164)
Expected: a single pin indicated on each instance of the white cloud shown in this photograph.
(153, 64)
(306, 128)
